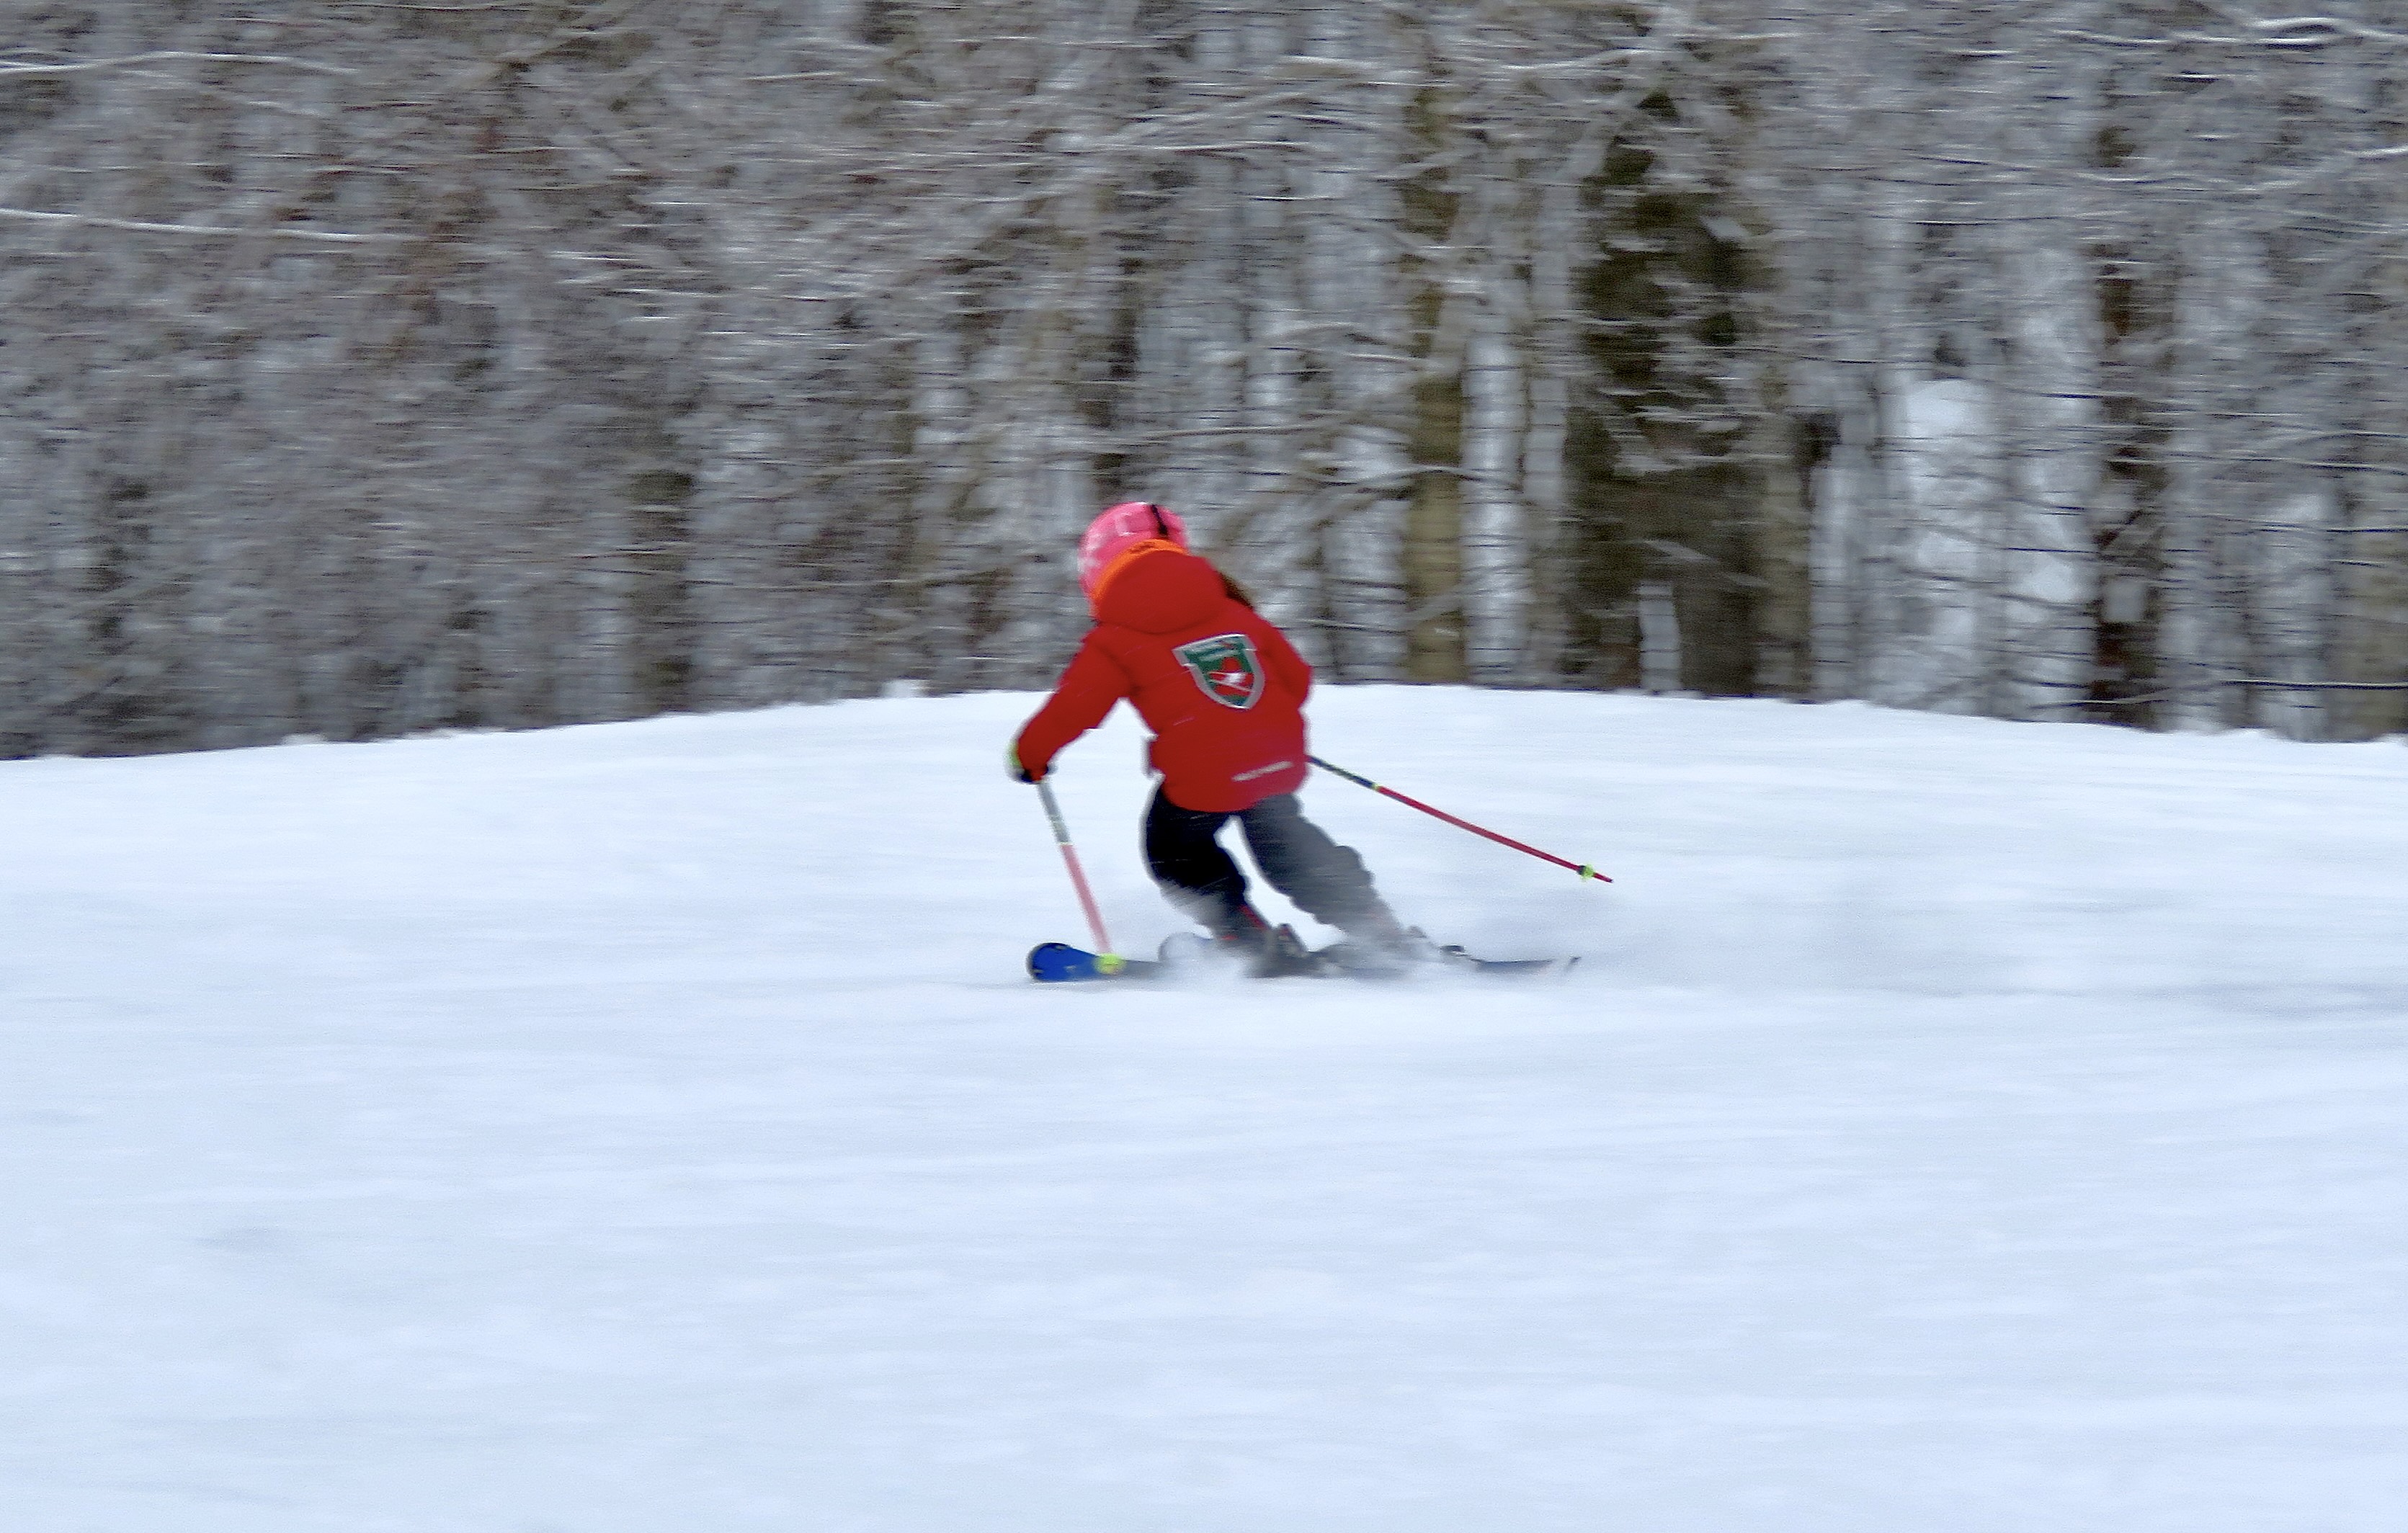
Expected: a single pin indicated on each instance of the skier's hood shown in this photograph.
(1160, 592)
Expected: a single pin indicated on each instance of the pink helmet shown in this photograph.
(1120, 529)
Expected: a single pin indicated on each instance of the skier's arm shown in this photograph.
(1087, 691)
(1289, 668)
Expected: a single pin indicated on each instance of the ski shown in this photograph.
(1509, 969)
(1058, 962)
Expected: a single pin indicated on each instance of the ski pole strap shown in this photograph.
(1583, 869)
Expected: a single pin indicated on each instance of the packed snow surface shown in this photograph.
(646, 1128)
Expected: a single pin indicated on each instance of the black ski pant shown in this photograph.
(1325, 880)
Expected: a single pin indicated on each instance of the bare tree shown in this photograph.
(371, 368)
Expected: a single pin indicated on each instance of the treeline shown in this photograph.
(373, 367)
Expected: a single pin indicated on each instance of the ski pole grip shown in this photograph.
(1340, 771)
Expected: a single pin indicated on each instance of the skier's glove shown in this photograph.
(1012, 764)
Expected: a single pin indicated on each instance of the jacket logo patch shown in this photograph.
(1226, 667)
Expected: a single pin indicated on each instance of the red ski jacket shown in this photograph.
(1222, 690)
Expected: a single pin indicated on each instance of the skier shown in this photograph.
(1224, 693)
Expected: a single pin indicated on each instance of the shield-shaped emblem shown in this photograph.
(1226, 667)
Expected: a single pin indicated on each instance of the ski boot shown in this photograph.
(1247, 943)
(1377, 947)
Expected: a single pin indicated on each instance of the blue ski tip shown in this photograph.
(1055, 963)
(1058, 962)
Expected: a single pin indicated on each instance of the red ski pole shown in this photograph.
(1583, 869)
(1078, 879)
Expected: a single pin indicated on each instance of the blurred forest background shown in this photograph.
(376, 367)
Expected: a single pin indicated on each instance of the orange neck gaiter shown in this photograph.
(1112, 571)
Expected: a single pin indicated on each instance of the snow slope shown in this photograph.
(644, 1128)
